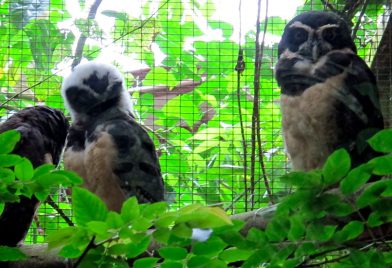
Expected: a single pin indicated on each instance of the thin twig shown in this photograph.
(90, 245)
(82, 39)
(328, 5)
(255, 114)
(354, 32)
(53, 204)
(320, 264)
(258, 127)
(240, 67)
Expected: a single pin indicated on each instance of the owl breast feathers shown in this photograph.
(329, 96)
(105, 144)
(43, 131)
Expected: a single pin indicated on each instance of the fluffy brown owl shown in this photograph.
(329, 96)
(105, 145)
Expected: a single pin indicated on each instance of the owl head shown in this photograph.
(92, 88)
(313, 34)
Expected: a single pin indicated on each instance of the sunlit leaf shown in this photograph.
(336, 166)
(24, 169)
(87, 206)
(8, 140)
(130, 209)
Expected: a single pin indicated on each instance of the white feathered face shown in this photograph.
(94, 87)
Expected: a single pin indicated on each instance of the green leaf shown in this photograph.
(356, 178)
(87, 206)
(8, 141)
(98, 227)
(372, 194)
(199, 262)
(145, 262)
(130, 209)
(60, 237)
(11, 254)
(297, 228)
(43, 169)
(166, 220)
(135, 249)
(9, 160)
(277, 229)
(203, 217)
(336, 167)
(206, 145)
(118, 249)
(151, 211)
(162, 235)
(141, 224)
(352, 230)
(182, 230)
(70, 251)
(51, 179)
(234, 254)
(210, 247)
(382, 165)
(72, 177)
(375, 219)
(7, 175)
(171, 264)
(114, 220)
(24, 169)
(302, 179)
(382, 141)
(173, 253)
(320, 232)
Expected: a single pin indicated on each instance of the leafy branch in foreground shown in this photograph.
(318, 225)
(19, 178)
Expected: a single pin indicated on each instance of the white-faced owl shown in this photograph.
(43, 131)
(105, 145)
(329, 97)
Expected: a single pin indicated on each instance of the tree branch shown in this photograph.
(82, 39)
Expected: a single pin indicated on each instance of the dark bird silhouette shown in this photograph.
(43, 131)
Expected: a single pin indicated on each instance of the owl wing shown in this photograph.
(43, 132)
(120, 161)
(357, 103)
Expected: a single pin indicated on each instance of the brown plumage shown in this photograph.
(43, 131)
(106, 146)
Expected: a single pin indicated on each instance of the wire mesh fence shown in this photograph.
(189, 66)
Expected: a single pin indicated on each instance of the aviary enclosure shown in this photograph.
(190, 68)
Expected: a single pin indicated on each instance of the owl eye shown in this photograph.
(299, 35)
(329, 34)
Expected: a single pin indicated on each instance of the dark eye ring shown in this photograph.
(329, 34)
(300, 35)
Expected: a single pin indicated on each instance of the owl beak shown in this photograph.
(312, 50)
(315, 51)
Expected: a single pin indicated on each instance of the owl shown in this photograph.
(329, 96)
(43, 131)
(105, 145)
